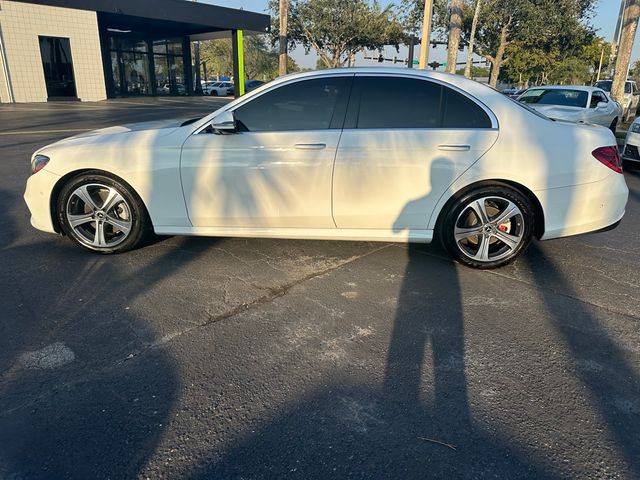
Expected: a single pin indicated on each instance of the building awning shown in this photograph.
(181, 17)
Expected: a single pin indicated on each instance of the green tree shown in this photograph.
(634, 71)
(260, 59)
(557, 28)
(410, 13)
(338, 29)
(475, 71)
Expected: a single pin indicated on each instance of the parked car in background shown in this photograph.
(217, 89)
(631, 96)
(631, 150)
(375, 154)
(574, 104)
(175, 89)
(513, 92)
(249, 85)
(252, 85)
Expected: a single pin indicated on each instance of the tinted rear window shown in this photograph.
(396, 102)
(461, 112)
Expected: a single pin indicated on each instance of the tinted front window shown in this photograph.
(567, 98)
(393, 102)
(627, 87)
(604, 85)
(304, 105)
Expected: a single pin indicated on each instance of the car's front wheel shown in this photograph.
(214, 93)
(102, 214)
(488, 227)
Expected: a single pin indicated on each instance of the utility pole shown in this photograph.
(616, 37)
(412, 43)
(284, 15)
(472, 39)
(627, 37)
(600, 64)
(196, 55)
(455, 27)
(426, 33)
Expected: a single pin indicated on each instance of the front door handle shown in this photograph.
(454, 148)
(310, 146)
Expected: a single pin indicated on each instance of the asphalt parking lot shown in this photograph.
(234, 358)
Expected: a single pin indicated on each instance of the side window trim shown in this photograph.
(487, 110)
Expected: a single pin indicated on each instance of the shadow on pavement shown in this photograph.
(77, 400)
(588, 340)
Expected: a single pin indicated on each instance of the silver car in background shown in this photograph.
(575, 104)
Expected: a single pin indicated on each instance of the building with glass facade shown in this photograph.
(90, 50)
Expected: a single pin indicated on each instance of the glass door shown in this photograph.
(58, 67)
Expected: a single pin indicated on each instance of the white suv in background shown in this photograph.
(631, 151)
(217, 89)
(630, 102)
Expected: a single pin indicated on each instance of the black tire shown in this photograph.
(461, 217)
(129, 212)
(614, 125)
(214, 93)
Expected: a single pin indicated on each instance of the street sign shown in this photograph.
(415, 62)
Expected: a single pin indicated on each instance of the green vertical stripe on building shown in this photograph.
(240, 47)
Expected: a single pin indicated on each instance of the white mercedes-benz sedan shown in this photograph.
(353, 154)
(575, 104)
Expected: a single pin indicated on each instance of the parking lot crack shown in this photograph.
(272, 294)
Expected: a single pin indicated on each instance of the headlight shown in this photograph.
(635, 127)
(38, 162)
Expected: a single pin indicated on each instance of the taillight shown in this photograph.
(610, 157)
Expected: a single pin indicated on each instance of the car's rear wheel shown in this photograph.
(102, 214)
(488, 227)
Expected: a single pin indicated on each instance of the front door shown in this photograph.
(58, 68)
(405, 141)
(276, 170)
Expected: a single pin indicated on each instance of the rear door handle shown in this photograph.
(454, 148)
(310, 146)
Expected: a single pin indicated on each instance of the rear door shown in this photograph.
(405, 141)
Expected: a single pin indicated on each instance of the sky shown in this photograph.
(604, 20)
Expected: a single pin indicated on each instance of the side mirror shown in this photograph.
(601, 105)
(225, 122)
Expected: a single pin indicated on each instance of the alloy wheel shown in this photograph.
(99, 215)
(489, 229)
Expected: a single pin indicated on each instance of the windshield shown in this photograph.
(556, 96)
(604, 85)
